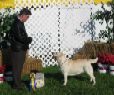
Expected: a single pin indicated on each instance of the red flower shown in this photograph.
(106, 58)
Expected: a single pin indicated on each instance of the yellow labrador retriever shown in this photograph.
(73, 67)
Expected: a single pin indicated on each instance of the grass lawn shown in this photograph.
(77, 85)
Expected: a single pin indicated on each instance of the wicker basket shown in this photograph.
(31, 64)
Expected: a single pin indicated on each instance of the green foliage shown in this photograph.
(6, 19)
(106, 15)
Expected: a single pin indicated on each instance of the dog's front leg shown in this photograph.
(65, 79)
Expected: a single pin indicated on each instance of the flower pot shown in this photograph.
(2, 69)
(111, 68)
(102, 68)
(1, 78)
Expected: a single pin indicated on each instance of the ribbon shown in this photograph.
(32, 76)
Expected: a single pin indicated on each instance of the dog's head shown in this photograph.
(59, 57)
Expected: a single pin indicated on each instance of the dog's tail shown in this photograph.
(94, 60)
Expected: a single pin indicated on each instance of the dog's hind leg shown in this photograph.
(92, 78)
(65, 79)
(89, 71)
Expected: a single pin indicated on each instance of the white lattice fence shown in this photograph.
(55, 29)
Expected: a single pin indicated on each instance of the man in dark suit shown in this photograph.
(19, 45)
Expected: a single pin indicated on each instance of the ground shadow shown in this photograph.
(95, 66)
(56, 76)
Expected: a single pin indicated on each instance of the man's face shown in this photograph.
(24, 18)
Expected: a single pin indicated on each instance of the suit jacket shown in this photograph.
(18, 37)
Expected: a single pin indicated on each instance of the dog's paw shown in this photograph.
(64, 84)
(93, 83)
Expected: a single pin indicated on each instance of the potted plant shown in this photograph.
(6, 19)
(108, 17)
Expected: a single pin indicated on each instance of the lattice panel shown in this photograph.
(44, 3)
